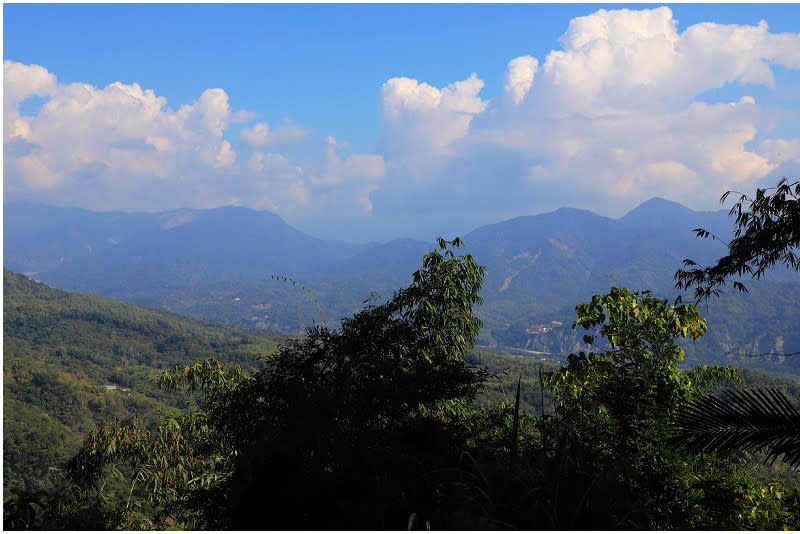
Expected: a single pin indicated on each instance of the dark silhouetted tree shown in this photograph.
(767, 233)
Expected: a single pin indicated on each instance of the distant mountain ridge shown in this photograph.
(108, 252)
(541, 260)
(55, 242)
(252, 269)
(662, 212)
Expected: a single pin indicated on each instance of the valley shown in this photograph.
(251, 269)
(386, 267)
(75, 363)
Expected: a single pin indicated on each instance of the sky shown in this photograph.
(372, 122)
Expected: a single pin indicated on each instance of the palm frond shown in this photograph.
(756, 419)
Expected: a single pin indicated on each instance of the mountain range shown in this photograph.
(252, 269)
(107, 252)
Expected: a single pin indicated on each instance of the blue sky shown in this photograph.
(378, 121)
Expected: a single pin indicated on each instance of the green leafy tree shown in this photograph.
(597, 459)
(635, 382)
(338, 431)
(613, 407)
(163, 469)
(617, 407)
(369, 427)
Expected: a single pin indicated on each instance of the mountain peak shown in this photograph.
(660, 203)
(656, 212)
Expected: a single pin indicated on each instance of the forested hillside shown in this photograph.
(71, 360)
(392, 419)
(381, 425)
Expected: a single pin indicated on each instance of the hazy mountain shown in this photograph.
(122, 254)
(549, 262)
(104, 252)
(39, 238)
(219, 264)
(660, 212)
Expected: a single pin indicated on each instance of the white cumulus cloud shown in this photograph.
(122, 146)
(627, 105)
(781, 150)
(422, 119)
(261, 134)
(21, 82)
(120, 134)
(519, 77)
(335, 185)
(616, 115)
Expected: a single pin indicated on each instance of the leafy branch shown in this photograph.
(767, 233)
(288, 280)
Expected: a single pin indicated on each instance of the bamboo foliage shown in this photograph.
(767, 234)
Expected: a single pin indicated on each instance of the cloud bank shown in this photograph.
(122, 147)
(612, 118)
(618, 114)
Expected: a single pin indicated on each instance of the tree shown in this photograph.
(368, 427)
(613, 406)
(636, 379)
(599, 458)
(338, 431)
(767, 233)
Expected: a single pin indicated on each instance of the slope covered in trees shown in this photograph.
(71, 360)
(378, 424)
(371, 426)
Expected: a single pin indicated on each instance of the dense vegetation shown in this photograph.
(385, 422)
(73, 360)
(375, 425)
